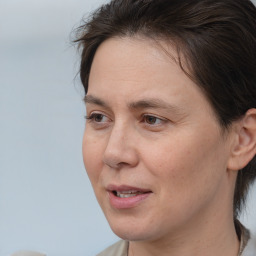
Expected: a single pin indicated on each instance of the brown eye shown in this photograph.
(152, 120)
(97, 117)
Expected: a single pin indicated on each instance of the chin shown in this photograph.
(131, 231)
(130, 235)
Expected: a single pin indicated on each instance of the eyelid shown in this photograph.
(162, 119)
(93, 114)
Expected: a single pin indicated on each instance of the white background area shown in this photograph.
(46, 201)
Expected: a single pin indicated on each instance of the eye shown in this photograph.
(97, 118)
(153, 120)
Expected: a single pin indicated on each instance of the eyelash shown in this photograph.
(92, 118)
(161, 120)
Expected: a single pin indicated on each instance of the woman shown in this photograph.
(170, 139)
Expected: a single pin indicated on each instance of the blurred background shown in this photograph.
(46, 201)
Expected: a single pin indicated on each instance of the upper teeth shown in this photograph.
(125, 194)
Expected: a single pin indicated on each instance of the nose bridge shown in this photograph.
(120, 149)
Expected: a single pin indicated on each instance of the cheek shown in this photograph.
(184, 164)
(92, 157)
(185, 180)
(167, 158)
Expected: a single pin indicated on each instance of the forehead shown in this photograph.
(136, 59)
(137, 68)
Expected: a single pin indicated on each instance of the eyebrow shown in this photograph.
(153, 103)
(89, 99)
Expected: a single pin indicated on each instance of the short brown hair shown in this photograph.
(217, 39)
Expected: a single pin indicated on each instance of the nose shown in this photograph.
(121, 149)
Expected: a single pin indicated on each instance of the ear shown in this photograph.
(244, 147)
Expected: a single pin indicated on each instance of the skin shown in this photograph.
(151, 127)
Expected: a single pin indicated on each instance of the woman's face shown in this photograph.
(153, 150)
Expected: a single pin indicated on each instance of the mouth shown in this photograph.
(124, 197)
(129, 193)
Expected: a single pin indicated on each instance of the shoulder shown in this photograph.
(118, 249)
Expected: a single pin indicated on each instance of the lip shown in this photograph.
(126, 188)
(127, 202)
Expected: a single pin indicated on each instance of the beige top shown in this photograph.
(118, 249)
(247, 246)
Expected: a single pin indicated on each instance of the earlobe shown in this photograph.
(244, 148)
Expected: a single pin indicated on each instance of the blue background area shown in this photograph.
(46, 201)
